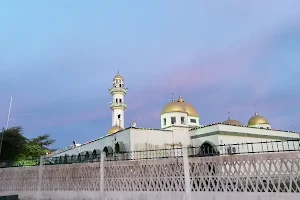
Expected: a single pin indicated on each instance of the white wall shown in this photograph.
(158, 139)
(138, 195)
(249, 144)
(204, 130)
(214, 139)
(123, 136)
(118, 96)
(116, 121)
(191, 124)
(178, 116)
(263, 132)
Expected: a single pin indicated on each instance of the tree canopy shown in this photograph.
(15, 146)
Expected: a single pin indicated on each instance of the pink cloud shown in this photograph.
(218, 69)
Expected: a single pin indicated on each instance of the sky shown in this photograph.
(58, 59)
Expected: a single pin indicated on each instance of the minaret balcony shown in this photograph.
(117, 90)
(117, 105)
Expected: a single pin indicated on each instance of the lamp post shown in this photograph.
(8, 117)
(1, 140)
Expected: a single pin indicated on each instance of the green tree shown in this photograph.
(17, 147)
(43, 141)
(13, 143)
(38, 146)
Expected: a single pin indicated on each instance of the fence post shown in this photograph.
(102, 160)
(40, 179)
(186, 167)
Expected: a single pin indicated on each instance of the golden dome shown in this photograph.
(114, 129)
(233, 122)
(174, 107)
(191, 111)
(180, 106)
(118, 76)
(257, 119)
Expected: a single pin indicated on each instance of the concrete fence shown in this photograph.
(255, 177)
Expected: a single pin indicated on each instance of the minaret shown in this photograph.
(118, 105)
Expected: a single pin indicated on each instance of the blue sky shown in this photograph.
(58, 58)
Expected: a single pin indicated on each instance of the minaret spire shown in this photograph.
(118, 105)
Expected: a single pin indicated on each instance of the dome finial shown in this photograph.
(180, 99)
(229, 117)
(255, 110)
(173, 97)
(118, 72)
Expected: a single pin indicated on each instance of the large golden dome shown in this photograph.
(257, 119)
(173, 107)
(114, 129)
(233, 122)
(180, 106)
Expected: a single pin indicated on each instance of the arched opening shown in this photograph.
(108, 151)
(120, 150)
(88, 155)
(56, 160)
(67, 159)
(61, 159)
(80, 157)
(74, 159)
(119, 147)
(207, 149)
(210, 167)
(96, 154)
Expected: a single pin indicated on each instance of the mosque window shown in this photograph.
(120, 85)
(120, 100)
(193, 120)
(165, 121)
(182, 120)
(173, 120)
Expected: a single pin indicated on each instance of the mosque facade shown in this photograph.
(180, 127)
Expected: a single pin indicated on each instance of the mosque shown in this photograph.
(180, 127)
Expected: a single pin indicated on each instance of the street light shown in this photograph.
(11, 98)
(1, 140)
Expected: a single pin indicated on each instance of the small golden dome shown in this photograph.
(257, 119)
(173, 107)
(233, 122)
(180, 99)
(114, 129)
(118, 76)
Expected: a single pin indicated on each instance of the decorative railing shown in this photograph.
(259, 173)
(118, 104)
(207, 149)
(118, 89)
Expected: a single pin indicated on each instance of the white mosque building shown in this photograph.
(180, 127)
